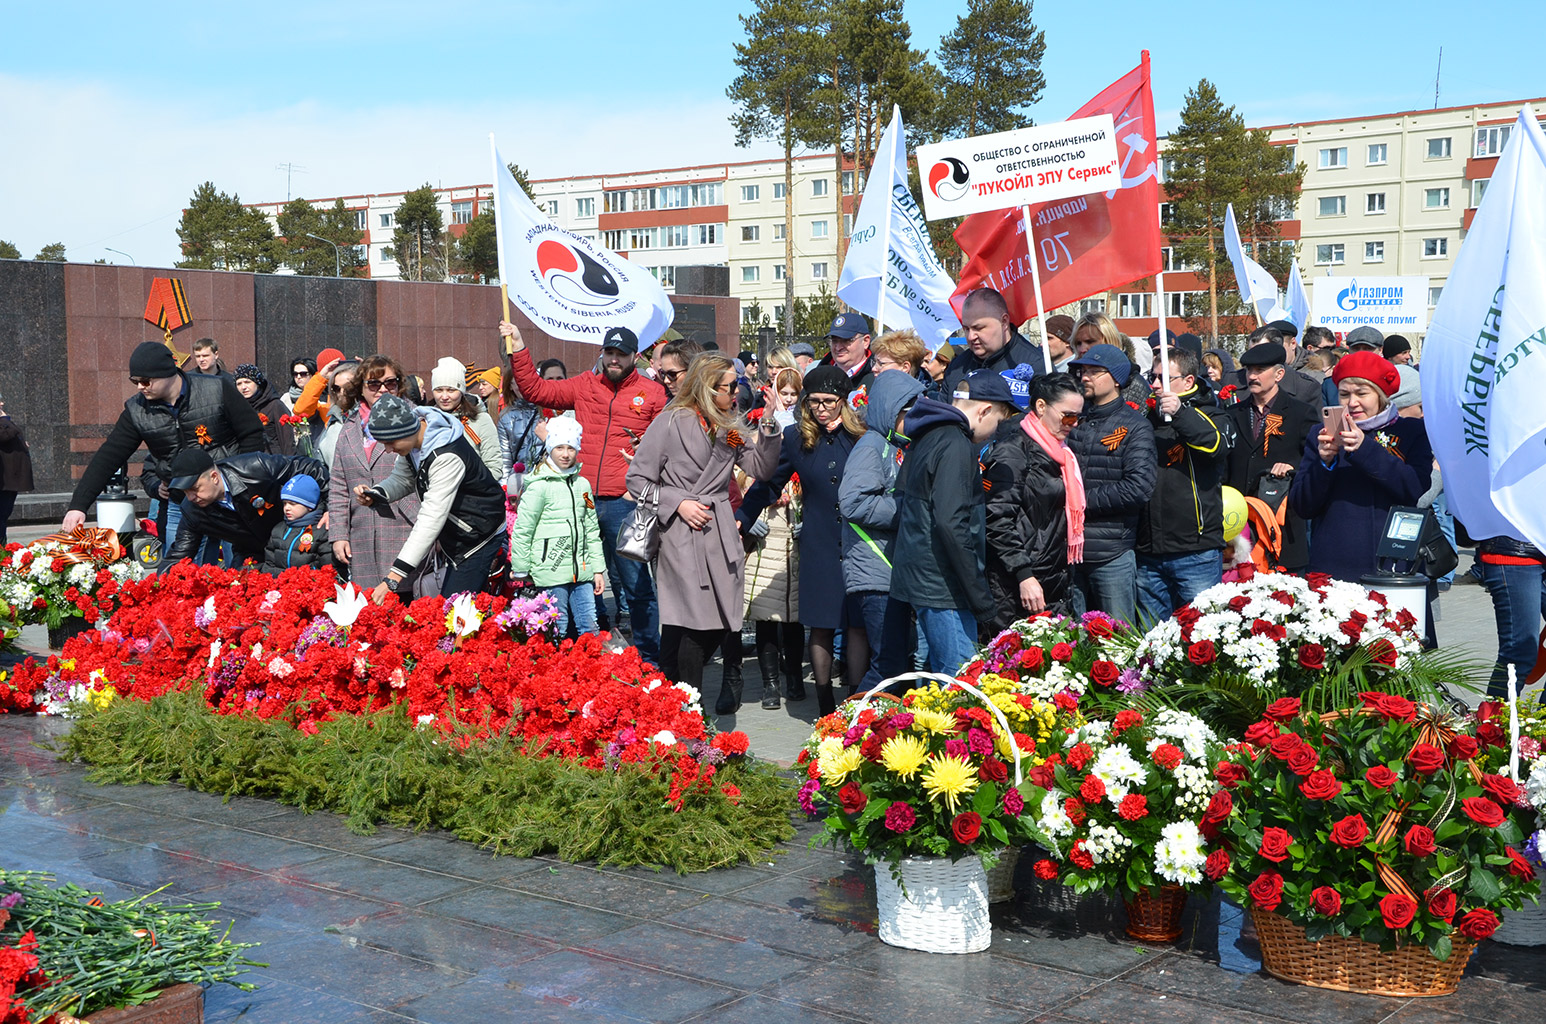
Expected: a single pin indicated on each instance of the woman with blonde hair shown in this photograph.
(817, 447)
(685, 460)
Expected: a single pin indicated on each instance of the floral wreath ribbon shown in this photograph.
(87, 544)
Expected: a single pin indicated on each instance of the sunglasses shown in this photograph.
(335, 390)
(301, 373)
(725, 389)
(377, 383)
(671, 375)
(142, 382)
(1070, 419)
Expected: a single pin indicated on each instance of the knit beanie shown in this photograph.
(393, 418)
(303, 490)
(563, 430)
(247, 371)
(828, 380)
(152, 359)
(448, 373)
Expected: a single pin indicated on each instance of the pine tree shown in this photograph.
(417, 238)
(341, 226)
(476, 251)
(8, 250)
(992, 64)
(53, 252)
(218, 233)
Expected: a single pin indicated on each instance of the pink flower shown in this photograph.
(979, 742)
(807, 791)
(955, 748)
(900, 816)
(1014, 803)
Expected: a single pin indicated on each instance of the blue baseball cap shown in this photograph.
(303, 490)
(984, 386)
(849, 325)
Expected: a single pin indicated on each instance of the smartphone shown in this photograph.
(1334, 419)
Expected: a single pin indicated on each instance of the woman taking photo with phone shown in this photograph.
(1362, 461)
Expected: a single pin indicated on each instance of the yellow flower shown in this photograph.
(835, 768)
(903, 755)
(102, 698)
(947, 778)
(937, 722)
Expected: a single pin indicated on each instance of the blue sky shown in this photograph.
(114, 113)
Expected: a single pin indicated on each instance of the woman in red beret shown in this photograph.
(1348, 481)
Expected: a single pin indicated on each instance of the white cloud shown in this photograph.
(107, 166)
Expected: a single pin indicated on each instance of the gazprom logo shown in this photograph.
(1353, 297)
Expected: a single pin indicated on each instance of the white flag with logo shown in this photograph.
(891, 271)
(569, 286)
(1256, 286)
(1298, 299)
(1484, 356)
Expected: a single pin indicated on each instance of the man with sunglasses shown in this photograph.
(171, 411)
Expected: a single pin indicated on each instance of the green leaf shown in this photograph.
(1484, 884)
(1442, 948)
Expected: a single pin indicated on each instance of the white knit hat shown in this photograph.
(563, 430)
(448, 373)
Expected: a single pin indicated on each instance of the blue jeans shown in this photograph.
(889, 625)
(952, 636)
(1518, 602)
(1110, 587)
(1168, 582)
(631, 581)
(576, 603)
(471, 576)
(1447, 527)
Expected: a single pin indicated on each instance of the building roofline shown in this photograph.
(368, 195)
(1399, 113)
(688, 167)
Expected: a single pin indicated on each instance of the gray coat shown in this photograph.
(865, 496)
(699, 572)
(375, 533)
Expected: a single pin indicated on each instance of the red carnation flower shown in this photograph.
(1092, 789)
(1075, 810)
(1275, 843)
(1267, 891)
(1081, 857)
(1080, 756)
(1046, 870)
(1133, 807)
(1126, 719)
(1326, 901)
(1167, 756)
(1482, 811)
(1397, 911)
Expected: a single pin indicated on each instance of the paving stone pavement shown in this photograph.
(397, 927)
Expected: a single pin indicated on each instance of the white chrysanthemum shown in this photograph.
(1105, 843)
(1054, 820)
(1195, 787)
(1179, 856)
(82, 574)
(1119, 770)
(1535, 785)
(1186, 731)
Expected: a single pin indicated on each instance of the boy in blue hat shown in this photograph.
(300, 539)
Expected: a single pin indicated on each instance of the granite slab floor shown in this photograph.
(398, 927)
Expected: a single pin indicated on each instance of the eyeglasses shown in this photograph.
(335, 390)
(377, 383)
(142, 382)
(725, 389)
(886, 364)
(824, 403)
(1090, 371)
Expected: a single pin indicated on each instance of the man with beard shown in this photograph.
(616, 405)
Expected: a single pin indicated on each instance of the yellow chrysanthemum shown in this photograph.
(835, 769)
(903, 755)
(947, 778)
(936, 722)
(103, 697)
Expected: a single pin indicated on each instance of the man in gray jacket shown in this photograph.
(869, 508)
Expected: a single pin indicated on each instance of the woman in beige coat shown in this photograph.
(686, 458)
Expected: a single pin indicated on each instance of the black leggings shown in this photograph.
(685, 651)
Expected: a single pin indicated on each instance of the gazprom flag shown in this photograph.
(1298, 299)
(1484, 356)
(569, 286)
(1251, 278)
(890, 252)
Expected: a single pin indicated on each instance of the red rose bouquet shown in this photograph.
(1368, 825)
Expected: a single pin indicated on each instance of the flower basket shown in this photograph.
(180, 1004)
(1527, 925)
(1155, 916)
(1352, 965)
(67, 629)
(940, 905)
(1001, 876)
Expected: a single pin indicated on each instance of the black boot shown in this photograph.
(794, 685)
(825, 702)
(767, 663)
(729, 701)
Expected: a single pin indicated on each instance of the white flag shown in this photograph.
(890, 244)
(569, 286)
(1298, 299)
(1484, 356)
(1251, 278)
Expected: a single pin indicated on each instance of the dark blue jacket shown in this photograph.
(1115, 446)
(1347, 502)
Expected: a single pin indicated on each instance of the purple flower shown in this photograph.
(955, 748)
(1535, 848)
(807, 791)
(1131, 681)
(445, 644)
(902, 719)
(12, 901)
(979, 742)
(853, 735)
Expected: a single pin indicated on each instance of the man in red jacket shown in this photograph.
(616, 405)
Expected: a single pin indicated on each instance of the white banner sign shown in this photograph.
(1028, 165)
(1392, 304)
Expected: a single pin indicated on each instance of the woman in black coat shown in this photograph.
(15, 467)
(278, 438)
(816, 448)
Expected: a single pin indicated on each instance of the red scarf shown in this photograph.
(1073, 482)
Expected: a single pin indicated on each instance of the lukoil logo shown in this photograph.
(574, 276)
(1353, 297)
(948, 178)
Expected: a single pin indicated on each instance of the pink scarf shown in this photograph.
(1073, 482)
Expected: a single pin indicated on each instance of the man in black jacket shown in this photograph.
(848, 348)
(1115, 447)
(172, 411)
(1270, 433)
(236, 500)
(992, 343)
(1181, 529)
(940, 520)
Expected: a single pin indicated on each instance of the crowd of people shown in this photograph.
(872, 510)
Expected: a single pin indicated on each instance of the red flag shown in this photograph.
(1087, 244)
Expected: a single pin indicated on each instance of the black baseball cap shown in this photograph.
(622, 339)
(187, 466)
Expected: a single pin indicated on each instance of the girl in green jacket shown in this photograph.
(557, 541)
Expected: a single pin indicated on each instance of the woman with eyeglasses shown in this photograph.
(366, 538)
(685, 459)
(448, 387)
(301, 370)
(817, 449)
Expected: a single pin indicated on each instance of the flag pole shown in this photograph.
(1159, 287)
(885, 269)
(1041, 310)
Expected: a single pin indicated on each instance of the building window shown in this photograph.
(1167, 167)
(386, 220)
(778, 231)
(1330, 255)
(778, 314)
(751, 275)
(1374, 202)
(818, 271)
(1478, 189)
(778, 271)
(1374, 252)
(749, 193)
(848, 225)
(1135, 304)
(848, 182)
(1167, 258)
(1281, 209)
(710, 234)
(1434, 291)
(387, 255)
(1331, 206)
(1091, 306)
(585, 207)
(359, 220)
(552, 206)
(1378, 154)
(676, 236)
(819, 229)
(665, 275)
(819, 186)
(461, 212)
(778, 190)
(1490, 141)
(1435, 248)
(612, 240)
(1167, 212)
(361, 253)
(1439, 149)
(1435, 199)
(750, 232)
(1334, 157)
(615, 201)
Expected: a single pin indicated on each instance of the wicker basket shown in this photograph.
(1352, 965)
(1001, 876)
(944, 908)
(1156, 916)
(1527, 925)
